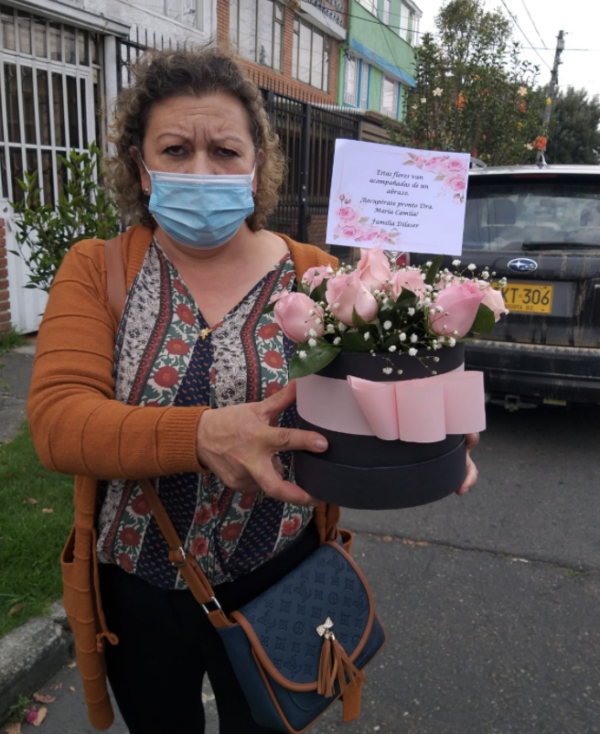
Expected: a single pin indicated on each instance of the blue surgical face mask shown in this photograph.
(199, 210)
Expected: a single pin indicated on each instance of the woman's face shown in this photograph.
(199, 135)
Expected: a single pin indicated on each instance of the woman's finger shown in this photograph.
(471, 440)
(471, 477)
(274, 486)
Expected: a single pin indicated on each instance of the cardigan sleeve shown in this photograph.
(76, 424)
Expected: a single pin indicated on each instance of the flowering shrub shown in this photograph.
(385, 310)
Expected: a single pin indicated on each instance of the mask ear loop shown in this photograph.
(135, 153)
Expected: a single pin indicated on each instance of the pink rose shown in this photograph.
(453, 165)
(419, 160)
(347, 214)
(313, 277)
(346, 292)
(374, 268)
(293, 315)
(368, 233)
(352, 231)
(412, 281)
(461, 303)
(435, 164)
(493, 299)
(457, 182)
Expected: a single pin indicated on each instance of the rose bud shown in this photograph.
(293, 314)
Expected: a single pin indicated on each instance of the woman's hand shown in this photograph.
(239, 443)
(472, 439)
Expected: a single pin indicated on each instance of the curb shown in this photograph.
(32, 654)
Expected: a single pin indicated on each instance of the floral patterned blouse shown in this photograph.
(165, 355)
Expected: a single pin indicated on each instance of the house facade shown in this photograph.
(60, 67)
(290, 46)
(377, 65)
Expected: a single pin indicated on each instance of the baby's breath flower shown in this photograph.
(336, 305)
(438, 309)
(471, 267)
(411, 311)
(414, 338)
(312, 343)
(312, 332)
(302, 354)
(318, 321)
(342, 326)
(485, 275)
(311, 312)
(436, 359)
(451, 341)
(393, 348)
(455, 333)
(367, 336)
(412, 352)
(456, 263)
(337, 340)
(387, 325)
(330, 329)
(387, 370)
(403, 337)
(432, 311)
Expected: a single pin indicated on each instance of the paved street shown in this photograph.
(490, 601)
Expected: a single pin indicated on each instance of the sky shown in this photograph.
(580, 19)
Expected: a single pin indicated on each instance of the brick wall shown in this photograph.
(282, 81)
(4, 301)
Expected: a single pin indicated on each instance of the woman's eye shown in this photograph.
(175, 150)
(226, 152)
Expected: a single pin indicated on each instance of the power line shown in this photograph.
(514, 20)
(534, 25)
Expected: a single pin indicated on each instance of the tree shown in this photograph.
(574, 134)
(473, 91)
(46, 232)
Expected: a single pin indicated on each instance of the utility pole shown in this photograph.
(551, 88)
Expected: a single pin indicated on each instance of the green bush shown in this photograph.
(84, 210)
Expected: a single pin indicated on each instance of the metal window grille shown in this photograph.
(49, 89)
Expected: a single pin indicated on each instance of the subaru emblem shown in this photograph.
(522, 265)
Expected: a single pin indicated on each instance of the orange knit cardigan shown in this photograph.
(78, 428)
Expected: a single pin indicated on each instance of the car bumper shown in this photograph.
(539, 372)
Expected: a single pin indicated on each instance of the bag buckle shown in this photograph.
(215, 602)
(183, 561)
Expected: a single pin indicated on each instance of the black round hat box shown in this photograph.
(365, 472)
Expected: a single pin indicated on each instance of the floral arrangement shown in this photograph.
(380, 308)
(352, 225)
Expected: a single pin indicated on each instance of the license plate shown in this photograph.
(527, 297)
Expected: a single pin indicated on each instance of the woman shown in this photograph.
(195, 393)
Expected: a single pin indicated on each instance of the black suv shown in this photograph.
(540, 228)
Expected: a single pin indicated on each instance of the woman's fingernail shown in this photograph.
(320, 444)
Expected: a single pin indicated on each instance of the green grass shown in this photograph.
(11, 339)
(30, 540)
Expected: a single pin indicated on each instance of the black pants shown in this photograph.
(166, 645)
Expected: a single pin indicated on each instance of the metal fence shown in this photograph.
(307, 133)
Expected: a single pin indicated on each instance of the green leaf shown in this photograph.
(270, 307)
(300, 288)
(484, 321)
(318, 293)
(433, 270)
(357, 319)
(354, 341)
(316, 358)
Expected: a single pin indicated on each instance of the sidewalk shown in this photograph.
(15, 377)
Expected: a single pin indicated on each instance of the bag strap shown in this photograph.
(190, 570)
(116, 286)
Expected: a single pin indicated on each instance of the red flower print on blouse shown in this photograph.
(272, 388)
(204, 515)
(232, 531)
(268, 331)
(166, 376)
(179, 287)
(140, 505)
(186, 314)
(213, 376)
(247, 500)
(129, 536)
(274, 359)
(285, 281)
(125, 562)
(177, 346)
(199, 547)
(153, 404)
(291, 527)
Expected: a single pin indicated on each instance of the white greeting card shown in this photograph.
(404, 199)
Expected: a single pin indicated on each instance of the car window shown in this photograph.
(505, 216)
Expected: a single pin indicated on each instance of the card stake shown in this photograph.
(403, 199)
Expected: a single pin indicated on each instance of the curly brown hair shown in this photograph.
(159, 75)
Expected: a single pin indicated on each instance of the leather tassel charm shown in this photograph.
(335, 664)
